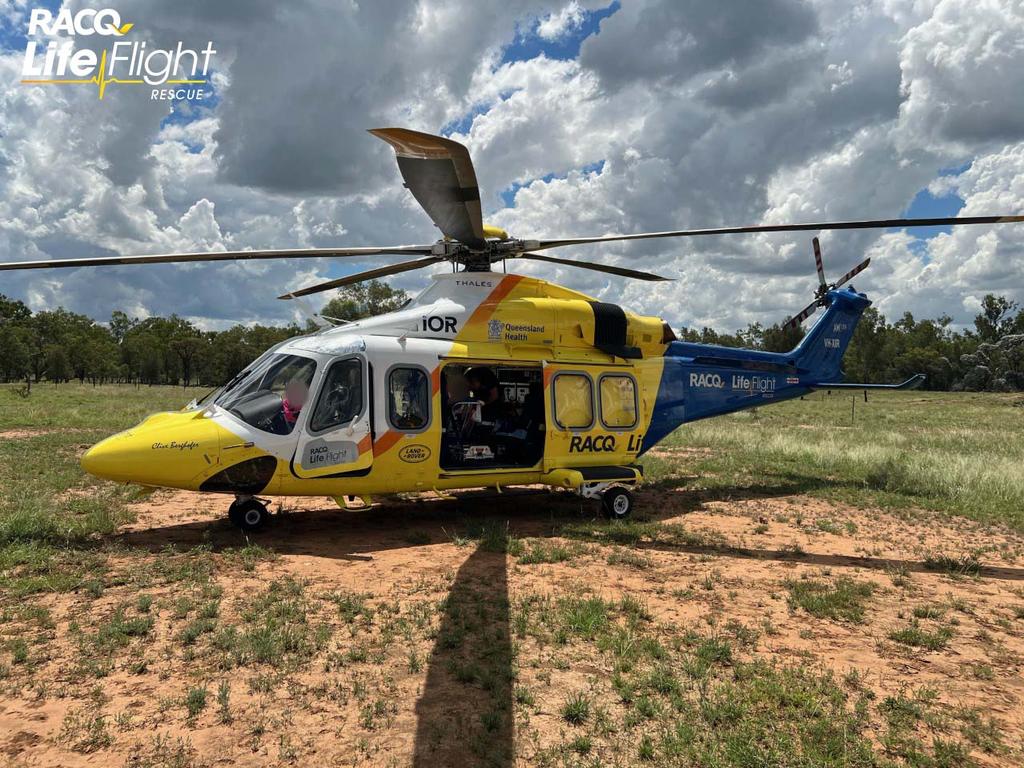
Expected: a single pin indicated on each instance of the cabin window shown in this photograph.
(341, 396)
(408, 399)
(574, 401)
(618, 401)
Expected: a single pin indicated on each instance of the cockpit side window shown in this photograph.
(271, 394)
(341, 396)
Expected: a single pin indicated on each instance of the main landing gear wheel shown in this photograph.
(248, 514)
(617, 503)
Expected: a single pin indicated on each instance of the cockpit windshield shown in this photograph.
(271, 393)
(213, 395)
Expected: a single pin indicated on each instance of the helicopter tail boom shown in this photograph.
(703, 380)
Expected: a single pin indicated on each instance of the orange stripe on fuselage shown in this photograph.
(483, 312)
(386, 442)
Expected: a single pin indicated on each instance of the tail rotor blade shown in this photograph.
(800, 316)
(854, 272)
(817, 263)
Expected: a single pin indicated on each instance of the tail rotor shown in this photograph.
(821, 294)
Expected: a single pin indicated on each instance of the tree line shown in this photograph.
(58, 346)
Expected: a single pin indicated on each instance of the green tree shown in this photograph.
(58, 367)
(13, 310)
(995, 320)
(368, 299)
(781, 338)
(120, 325)
(15, 352)
(187, 343)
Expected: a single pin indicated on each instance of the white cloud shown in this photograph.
(963, 76)
(702, 114)
(556, 25)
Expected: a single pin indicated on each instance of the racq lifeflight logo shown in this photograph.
(126, 62)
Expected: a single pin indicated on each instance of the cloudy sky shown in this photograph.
(583, 118)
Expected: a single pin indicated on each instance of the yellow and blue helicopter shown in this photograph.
(485, 379)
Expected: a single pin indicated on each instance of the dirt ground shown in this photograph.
(385, 688)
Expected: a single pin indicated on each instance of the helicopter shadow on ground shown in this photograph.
(356, 534)
(465, 715)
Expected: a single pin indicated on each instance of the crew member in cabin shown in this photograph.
(296, 392)
(483, 385)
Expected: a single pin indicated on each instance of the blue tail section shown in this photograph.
(820, 352)
(702, 380)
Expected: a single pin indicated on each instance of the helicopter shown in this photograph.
(484, 379)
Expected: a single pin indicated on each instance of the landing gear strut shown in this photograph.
(248, 513)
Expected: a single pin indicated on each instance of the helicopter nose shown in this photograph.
(103, 459)
(169, 450)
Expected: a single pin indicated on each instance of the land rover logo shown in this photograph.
(414, 454)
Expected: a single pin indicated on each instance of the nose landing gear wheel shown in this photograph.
(248, 514)
(617, 503)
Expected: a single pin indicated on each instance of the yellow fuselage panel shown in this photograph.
(557, 326)
(177, 450)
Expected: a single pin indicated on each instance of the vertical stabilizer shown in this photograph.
(820, 353)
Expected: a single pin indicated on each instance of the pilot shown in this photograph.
(295, 395)
(485, 388)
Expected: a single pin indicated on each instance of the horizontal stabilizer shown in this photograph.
(912, 383)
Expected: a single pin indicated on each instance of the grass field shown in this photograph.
(803, 587)
(961, 453)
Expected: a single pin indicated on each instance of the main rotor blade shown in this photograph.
(358, 277)
(621, 271)
(170, 258)
(440, 175)
(853, 272)
(869, 224)
(802, 315)
(817, 263)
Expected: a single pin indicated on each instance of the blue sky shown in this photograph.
(527, 44)
(925, 205)
(13, 37)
